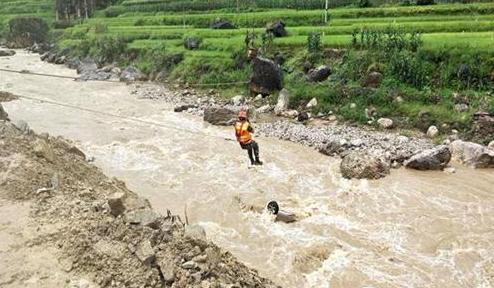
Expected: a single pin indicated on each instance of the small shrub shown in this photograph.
(25, 31)
(314, 42)
(63, 24)
(107, 48)
(364, 3)
(425, 2)
(100, 28)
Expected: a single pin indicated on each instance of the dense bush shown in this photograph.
(425, 2)
(25, 31)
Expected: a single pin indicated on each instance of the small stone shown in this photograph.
(264, 109)
(145, 253)
(42, 149)
(312, 103)
(238, 100)
(189, 265)
(283, 102)
(385, 123)
(258, 97)
(462, 107)
(491, 145)
(432, 131)
(143, 217)
(200, 258)
(195, 231)
(116, 203)
(357, 142)
(81, 283)
(353, 105)
(167, 270)
(450, 170)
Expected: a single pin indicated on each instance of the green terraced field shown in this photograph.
(12, 8)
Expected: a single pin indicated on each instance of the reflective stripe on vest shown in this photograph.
(242, 132)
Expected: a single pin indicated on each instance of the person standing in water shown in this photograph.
(243, 132)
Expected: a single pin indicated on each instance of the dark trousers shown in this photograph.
(253, 151)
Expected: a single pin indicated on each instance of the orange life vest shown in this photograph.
(242, 132)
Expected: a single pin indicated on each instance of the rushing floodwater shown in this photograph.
(411, 229)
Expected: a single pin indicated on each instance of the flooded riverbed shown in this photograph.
(410, 229)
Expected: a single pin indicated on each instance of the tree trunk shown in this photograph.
(85, 9)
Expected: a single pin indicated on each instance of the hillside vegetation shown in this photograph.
(432, 57)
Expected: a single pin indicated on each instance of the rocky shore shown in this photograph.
(101, 233)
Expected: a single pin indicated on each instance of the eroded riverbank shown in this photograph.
(411, 229)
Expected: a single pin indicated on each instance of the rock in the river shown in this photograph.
(219, 116)
(131, 74)
(283, 102)
(320, 73)
(266, 76)
(385, 123)
(42, 149)
(332, 148)
(361, 165)
(3, 114)
(472, 154)
(432, 159)
(87, 65)
(373, 80)
(185, 107)
(6, 53)
(432, 131)
(222, 24)
(277, 29)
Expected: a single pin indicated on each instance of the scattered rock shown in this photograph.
(361, 165)
(432, 131)
(76, 151)
(277, 29)
(302, 116)
(6, 53)
(266, 76)
(167, 270)
(432, 159)
(143, 217)
(332, 148)
(189, 265)
(290, 113)
(81, 283)
(353, 105)
(472, 154)
(385, 123)
(219, 116)
(145, 253)
(264, 109)
(195, 231)
(94, 75)
(42, 149)
(462, 107)
(23, 126)
(222, 24)
(87, 65)
(491, 145)
(192, 43)
(3, 114)
(132, 74)
(373, 80)
(483, 127)
(312, 103)
(186, 107)
(320, 73)
(450, 170)
(283, 102)
(238, 100)
(116, 203)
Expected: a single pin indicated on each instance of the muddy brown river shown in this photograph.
(410, 229)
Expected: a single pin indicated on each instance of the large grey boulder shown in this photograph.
(320, 73)
(362, 165)
(86, 65)
(222, 24)
(95, 75)
(266, 76)
(277, 29)
(131, 74)
(6, 53)
(432, 159)
(472, 154)
(220, 116)
(3, 114)
(144, 217)
(283, 102)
